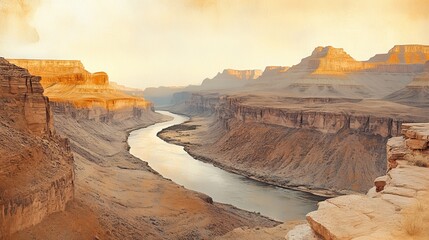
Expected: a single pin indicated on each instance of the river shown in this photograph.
(172, 162)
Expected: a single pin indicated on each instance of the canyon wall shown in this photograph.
(76, 92)
(313, 144)
(36, 174)
(323, 121)
(22, 99)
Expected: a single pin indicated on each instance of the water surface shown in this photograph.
(171, 161)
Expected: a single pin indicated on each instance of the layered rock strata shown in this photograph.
(386, 212)
(76, 91)
(36, 177)
(403, 54)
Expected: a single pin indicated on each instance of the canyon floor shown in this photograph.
(118, 196)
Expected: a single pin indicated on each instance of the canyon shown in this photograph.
(301, 140)
(89, 186)
(329, 126)
(394, 208)
(297, 143)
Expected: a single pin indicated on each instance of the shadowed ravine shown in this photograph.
(172, 162)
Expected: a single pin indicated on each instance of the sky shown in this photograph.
(150, 43)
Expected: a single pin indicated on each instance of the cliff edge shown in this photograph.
(36, 174)
(396, 207)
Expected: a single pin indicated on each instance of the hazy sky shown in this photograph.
(145, 43)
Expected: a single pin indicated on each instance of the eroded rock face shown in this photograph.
(22, 100)
(323, 121)
(36, 173)
(77, 92)
(380, 213)
(412, 147)
(404, 54)
(327, 60)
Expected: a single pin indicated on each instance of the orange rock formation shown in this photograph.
(68, 82)
(403, 54)
(36, 177)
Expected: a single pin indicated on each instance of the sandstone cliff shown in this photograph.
(327, 60)
(396, 207)
(36, 177)
(403, 54)
(75, 91)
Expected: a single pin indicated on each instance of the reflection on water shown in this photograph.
(171, 161)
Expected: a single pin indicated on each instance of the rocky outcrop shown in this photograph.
(36, 174)
(327, 60)
(77, 92)
(412, 148)
(61, 71)
(22, 100)
(385, 212)
(403, 54)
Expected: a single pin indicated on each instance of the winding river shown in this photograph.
(172, 162)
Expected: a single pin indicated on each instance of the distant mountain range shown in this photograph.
(327, 72)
